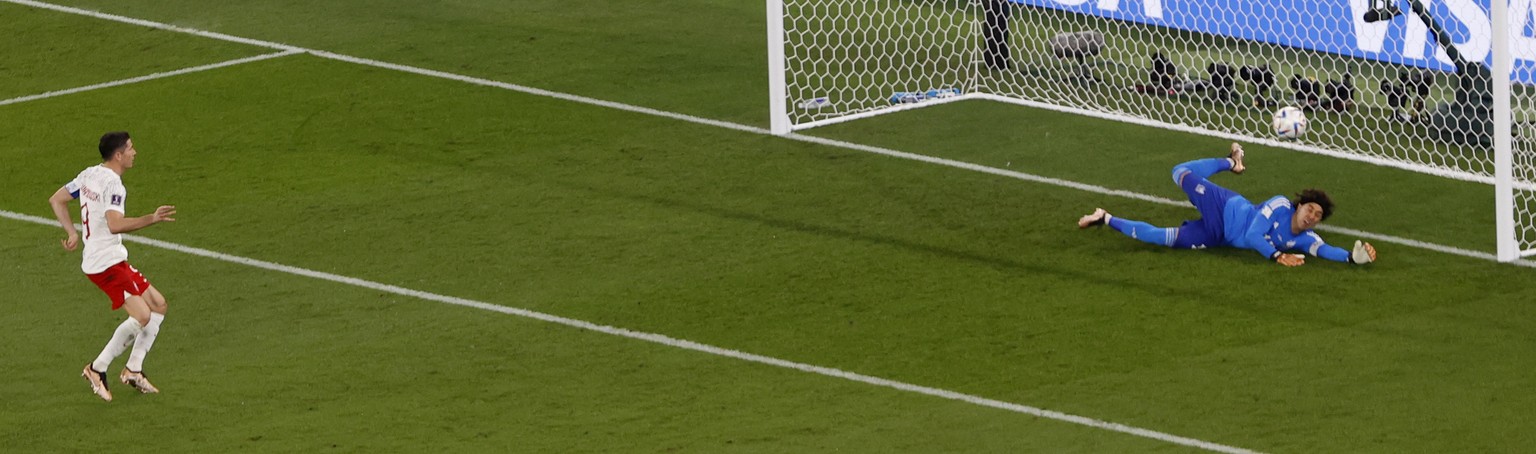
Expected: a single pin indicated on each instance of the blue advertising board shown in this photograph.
(1334, 26)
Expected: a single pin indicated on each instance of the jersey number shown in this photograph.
(87, 220)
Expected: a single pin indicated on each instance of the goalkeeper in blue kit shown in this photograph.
(1274, 228)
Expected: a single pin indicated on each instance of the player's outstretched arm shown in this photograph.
(60, 203)
(1362, 253)
(119, 224)
(1315, 246)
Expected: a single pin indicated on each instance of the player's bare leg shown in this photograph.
(1237, 158)
(155, 300)
(137, 308)
(153, 303)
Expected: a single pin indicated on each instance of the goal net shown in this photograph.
(1401, 83)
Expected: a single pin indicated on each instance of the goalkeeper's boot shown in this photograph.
(1237, 158)
(98, 382)
(138, 381)
(1096, 218)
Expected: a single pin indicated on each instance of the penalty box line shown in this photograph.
(134, 80)
(735, 126)
(667, 341)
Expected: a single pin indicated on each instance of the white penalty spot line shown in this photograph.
(668, 341)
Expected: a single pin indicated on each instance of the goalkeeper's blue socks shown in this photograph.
(1202, 168)
(1142, 231)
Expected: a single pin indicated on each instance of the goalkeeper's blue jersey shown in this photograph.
(1266, 228)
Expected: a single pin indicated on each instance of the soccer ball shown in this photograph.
(1289, 123)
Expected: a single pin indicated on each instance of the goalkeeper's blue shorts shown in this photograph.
(1211, 200)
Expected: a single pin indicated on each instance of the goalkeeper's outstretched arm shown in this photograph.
(1362, 253)
(1331, 252)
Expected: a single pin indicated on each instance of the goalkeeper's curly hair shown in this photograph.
(1315, 196)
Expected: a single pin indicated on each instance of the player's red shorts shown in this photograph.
(119, 281)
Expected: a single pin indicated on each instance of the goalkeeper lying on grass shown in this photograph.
(1227, 219)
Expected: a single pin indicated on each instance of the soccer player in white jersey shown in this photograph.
(1227, 219)
(103, 201)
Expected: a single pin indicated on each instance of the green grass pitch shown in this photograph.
(913, 272)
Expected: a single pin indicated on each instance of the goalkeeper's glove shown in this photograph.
(1288, 259)
(1362, 254)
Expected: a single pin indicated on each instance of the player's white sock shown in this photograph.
(144, 342)
(125, 332)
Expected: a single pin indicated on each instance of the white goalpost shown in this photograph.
(1445, 88)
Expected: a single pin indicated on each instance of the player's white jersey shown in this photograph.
(99, 190)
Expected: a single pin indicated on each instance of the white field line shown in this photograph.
(1372, 160)
(538, 91)
(664, 340)
(154, 76)
(387, 65)
(153, 24)
(733, 126)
